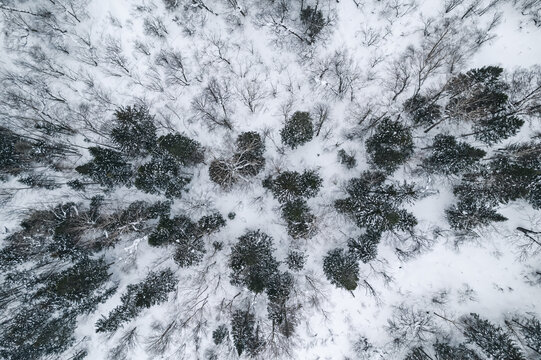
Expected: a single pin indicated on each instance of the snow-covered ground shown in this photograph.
(104, 59)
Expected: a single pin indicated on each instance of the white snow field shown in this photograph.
(212, 70)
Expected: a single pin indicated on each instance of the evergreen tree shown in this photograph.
(278, 291)
(480, 96)
(184, 150)
(210, 223)
(496, 128)
(477, 94)
(220, 334)
(514, 173)
(490, 338)
(290, 185)
(245, 334)
(135, 132)
(184, 234)
(390, 146)
(295, 260)
(300, 222)
(469, 213)
(77, 284)
(189, 252)
(252, 262)
(530, 330)
(374, 205)
(445, 351)
(298, 130)
(107, 168)
(44, 323)
(422, 110)
(34, 334)
(153, 290)
(173, 230)
(448, 156)
(365, 248)
(341, 269)
(162, 174)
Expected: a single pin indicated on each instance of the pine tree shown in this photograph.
(365, 248)
(44, 324)
(245, 334)
(469, 213)
(107, 168)
(33, 333)
(278, 291)
(341, 269)
(300, 221)
(162, 174)
(252, 262)
(170, 231)
(220, 334)
(153, 290)
(290, 185)
(19, 154)
(530, 330)
(494, 342)
(390, 146)
(184, 234)
(448, 156)
(209, 224)
(190, 251)
(298, 130)
(480, 96)
(374, 204)
(515, 172)
(135, 132)
(422, 110)
(295, 260)
(477, 94)
(445, 351)
(496, 128)
(76, 284)
(186, 151)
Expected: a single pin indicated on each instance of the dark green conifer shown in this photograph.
(390, 146)
(298, 130)
(490, 338)
(341, 269)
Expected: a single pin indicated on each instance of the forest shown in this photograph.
(270, 179)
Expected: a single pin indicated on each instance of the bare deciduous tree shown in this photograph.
(213, 104)
(338, 74)
(252, 93)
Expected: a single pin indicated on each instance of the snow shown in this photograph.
(490, 264)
